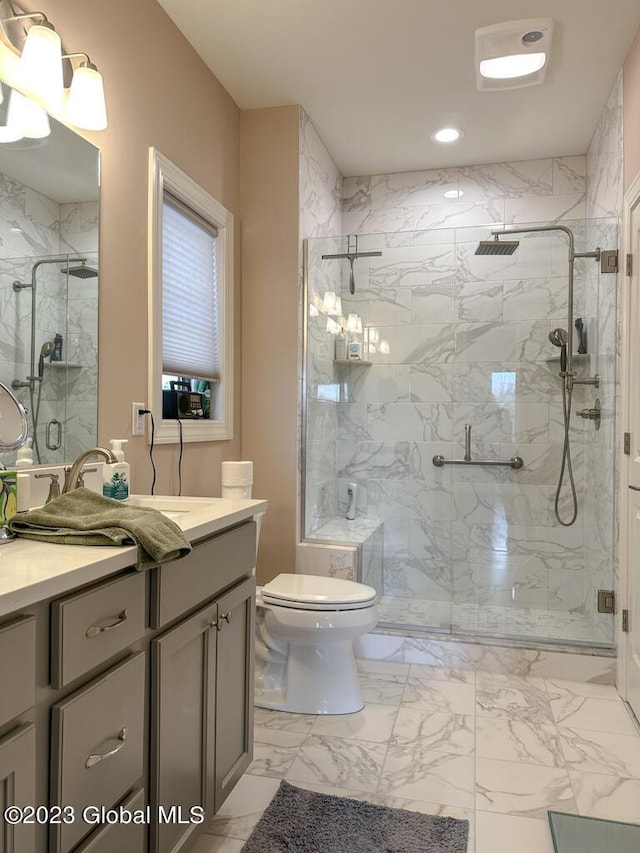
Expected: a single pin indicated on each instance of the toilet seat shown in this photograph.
(311, 592)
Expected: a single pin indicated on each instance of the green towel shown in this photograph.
(82, 517)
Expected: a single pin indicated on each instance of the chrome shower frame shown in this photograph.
(568, 375)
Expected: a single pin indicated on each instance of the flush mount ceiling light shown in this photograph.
(447, 135)
(513, 54)
(453, 193)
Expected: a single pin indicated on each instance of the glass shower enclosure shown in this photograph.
(457, 361)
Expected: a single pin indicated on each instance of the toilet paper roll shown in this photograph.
(237, 474)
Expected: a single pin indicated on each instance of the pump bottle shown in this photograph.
(115, 477)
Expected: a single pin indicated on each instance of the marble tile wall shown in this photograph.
(33, 227)
(467, 339)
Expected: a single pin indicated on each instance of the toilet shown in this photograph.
(305, 630)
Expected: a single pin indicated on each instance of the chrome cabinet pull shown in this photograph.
(95, 630)
(96, 758)
(217, 623)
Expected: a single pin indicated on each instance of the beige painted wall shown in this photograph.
(159, 93)
(270, 320)
(631, 101)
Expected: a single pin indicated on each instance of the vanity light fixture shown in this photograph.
(513, 54)
(331, 304)
(354, 324)
(40, 68)
(40, 72)
(26, 118)
(86, 105)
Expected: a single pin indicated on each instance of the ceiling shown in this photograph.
(377, 78)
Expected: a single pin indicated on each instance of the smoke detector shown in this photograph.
(513, 54)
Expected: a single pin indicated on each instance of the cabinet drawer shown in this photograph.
(18, 787)
(121, 837)
(17, 667)
(212, 566)
(90, 627)
(102, 726)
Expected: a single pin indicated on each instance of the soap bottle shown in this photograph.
(341, 346)
(56, 353)
(115, 476)
(354, 348)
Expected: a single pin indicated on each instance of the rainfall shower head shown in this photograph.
(497, 247)
(81, 271)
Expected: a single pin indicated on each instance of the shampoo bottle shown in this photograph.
(115, 477)
(341, 346)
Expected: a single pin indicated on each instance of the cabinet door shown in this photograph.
(182, 662)
(17, 787)
(234, 688)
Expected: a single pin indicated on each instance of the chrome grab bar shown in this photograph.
(96, 758)
(515, 461)
(95, 630)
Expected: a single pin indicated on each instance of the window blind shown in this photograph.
(190, 319)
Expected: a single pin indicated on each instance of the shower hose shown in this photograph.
(566, 460)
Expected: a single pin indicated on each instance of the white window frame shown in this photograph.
(165, 175)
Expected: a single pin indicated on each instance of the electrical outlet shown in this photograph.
(137, 420)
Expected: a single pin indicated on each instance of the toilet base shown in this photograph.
(316, 679)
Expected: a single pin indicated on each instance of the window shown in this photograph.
(191, 297)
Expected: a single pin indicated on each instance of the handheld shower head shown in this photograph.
(45, 351)
(558, 338)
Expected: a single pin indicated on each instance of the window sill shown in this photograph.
(167, 431)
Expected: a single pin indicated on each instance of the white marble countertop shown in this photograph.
(32, 571)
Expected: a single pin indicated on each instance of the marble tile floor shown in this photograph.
(497, 750)
(519, 622)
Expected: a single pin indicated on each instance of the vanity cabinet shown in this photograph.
(202, 710)
(132, 692)
(18, 786)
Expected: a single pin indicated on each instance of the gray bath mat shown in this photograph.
(298, 821)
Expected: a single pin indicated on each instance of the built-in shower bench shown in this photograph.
(344, 549)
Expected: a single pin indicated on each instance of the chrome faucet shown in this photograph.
(72, 475)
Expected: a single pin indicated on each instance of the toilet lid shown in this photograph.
(309, 592)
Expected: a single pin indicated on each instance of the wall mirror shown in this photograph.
(49, 202)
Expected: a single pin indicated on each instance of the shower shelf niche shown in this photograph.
(353, 361)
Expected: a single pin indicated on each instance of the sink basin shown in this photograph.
(171, 506)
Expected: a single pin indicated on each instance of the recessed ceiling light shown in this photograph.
(453, 194)
(447, 134)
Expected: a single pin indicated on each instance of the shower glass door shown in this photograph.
(459, 348)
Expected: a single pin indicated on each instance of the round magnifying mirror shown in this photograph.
(13, 421)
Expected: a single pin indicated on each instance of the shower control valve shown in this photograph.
(594, 414)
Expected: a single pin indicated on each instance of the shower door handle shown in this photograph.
(54, 444)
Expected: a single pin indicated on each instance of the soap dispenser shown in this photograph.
(115, 477)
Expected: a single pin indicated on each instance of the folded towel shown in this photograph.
(82, 517)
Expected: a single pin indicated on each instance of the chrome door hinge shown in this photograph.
(627, 443)
(629, 264)
(625, 621)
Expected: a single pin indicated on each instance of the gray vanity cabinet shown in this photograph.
(18, 786)
(234, 689)
(202, 710)
(182, 732)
